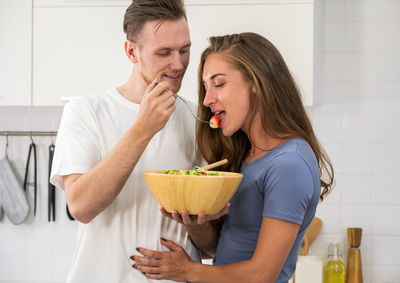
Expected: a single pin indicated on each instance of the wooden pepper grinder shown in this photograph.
(354, 267)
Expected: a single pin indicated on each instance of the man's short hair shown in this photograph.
(141, 11)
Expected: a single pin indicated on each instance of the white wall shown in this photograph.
(357, 123)
(37, 250)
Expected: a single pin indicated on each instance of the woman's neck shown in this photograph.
(261, 142)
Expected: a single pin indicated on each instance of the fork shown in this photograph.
(195, 116)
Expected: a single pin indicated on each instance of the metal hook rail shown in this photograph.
(28, 133)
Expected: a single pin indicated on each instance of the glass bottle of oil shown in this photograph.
(334, 270)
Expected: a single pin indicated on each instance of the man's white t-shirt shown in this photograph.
(90, 128)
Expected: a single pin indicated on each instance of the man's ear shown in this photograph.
(130, 50)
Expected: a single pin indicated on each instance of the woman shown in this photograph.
(266, 135)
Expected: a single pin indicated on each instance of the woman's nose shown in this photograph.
(209, 98)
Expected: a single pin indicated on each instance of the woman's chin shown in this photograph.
(227, 132)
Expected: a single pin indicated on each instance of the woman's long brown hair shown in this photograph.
(277, 98)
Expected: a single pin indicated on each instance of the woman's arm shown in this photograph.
(275, 241)
(203, 229)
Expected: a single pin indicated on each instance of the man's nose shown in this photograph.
(177, 62)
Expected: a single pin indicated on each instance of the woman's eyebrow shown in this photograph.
(212, 77)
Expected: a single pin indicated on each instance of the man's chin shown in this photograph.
(174, 86)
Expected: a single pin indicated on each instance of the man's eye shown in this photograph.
(163, 54)
(184, 51)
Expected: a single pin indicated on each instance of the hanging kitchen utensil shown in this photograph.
(32, 150)
(12, 196)
(51, 193)
(68, 213)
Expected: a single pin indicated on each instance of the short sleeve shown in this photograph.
(77, 147)
(288, 189)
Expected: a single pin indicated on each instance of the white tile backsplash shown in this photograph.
(387, 67)
(357, 158)
(334, 37)
(357, 189)
(386, 189)
(360, 67)
(334, 67)
(357, 128)
(366, 270)
(386, 250)
(335, 152)
(348, 98)
(362, 85)
(385, 274)
(331, 216)
(386, 159)
(372, 10)
(358, 36)
(355, 215)
(366, 249)
(387, 99)
(335, 196)
(329, 127)
(385, 220)
(384, 36)
(357, 123)
(334, 11)
(39, 265)
(385, 128)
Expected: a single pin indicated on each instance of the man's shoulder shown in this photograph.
(90, 101)
(182, 105)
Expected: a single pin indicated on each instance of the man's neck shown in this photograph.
(133, 89)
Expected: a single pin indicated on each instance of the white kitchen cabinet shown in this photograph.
(78, 45)
(15, 52)
(77, 51)
(289, 25)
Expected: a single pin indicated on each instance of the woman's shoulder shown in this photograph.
(294, 157)
(295, 151)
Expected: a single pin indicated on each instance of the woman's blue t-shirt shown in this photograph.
(284, 184)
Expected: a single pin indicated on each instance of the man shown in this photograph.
(106, 142)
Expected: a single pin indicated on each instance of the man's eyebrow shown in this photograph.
(163, 49)
(169, 49)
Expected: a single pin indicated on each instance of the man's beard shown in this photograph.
(145, 79)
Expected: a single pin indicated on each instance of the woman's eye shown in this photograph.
(219, 85)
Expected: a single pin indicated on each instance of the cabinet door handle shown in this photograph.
(68, 98)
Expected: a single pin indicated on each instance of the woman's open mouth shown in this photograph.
(217, 119)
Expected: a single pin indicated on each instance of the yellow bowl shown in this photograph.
(208, 194)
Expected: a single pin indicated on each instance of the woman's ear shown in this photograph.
(253, 90)
(130, 51)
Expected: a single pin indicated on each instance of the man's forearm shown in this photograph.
(93, 191)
